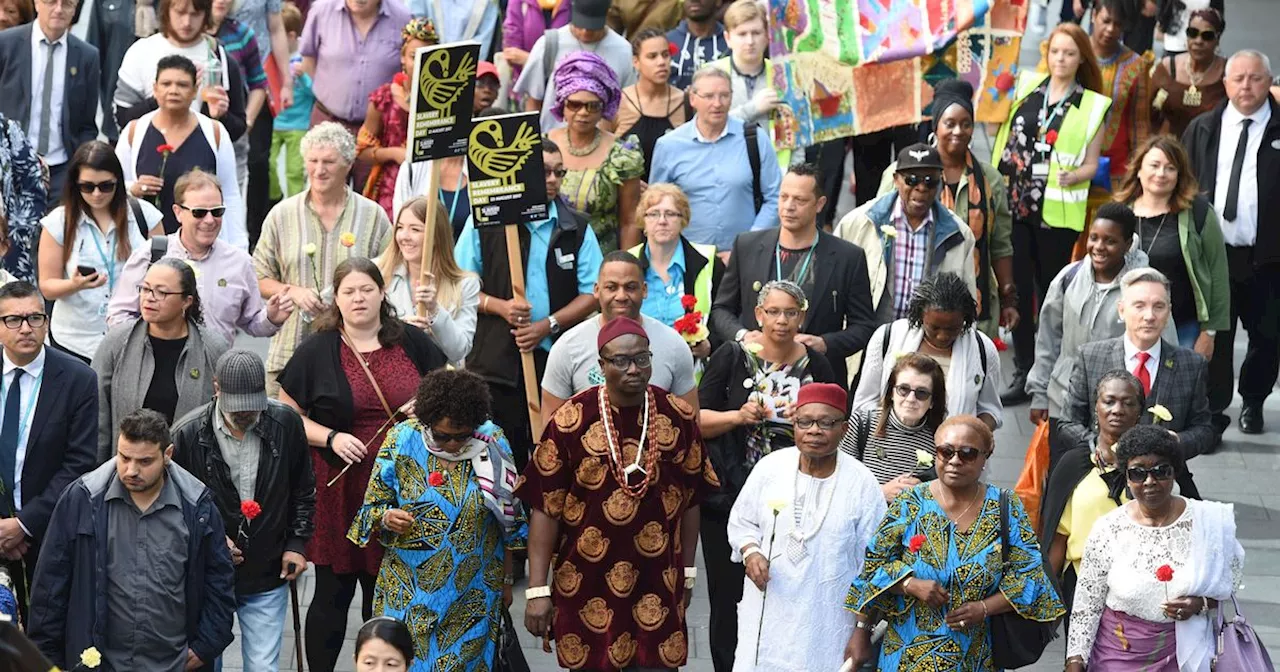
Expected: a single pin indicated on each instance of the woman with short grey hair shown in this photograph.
(306, 236)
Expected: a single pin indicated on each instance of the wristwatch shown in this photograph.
(738, 336)
(1211, 332)
(555, 325)
(690, 577)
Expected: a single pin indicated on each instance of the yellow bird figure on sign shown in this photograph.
(496, 158)
(441, 87)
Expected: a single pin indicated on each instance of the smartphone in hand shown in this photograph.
(86, 270)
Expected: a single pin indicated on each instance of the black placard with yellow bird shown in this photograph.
(504, 157)
(444, 83)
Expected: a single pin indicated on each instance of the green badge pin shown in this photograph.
(756, 286)
(222, 282)
(195, 373)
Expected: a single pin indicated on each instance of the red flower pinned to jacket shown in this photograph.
(1051, 137)
(671, 47)
(165, 149)
(436, 479)
(1164, 573)
(916, 543)
(401, 79)
(250, 509)
(688, 302)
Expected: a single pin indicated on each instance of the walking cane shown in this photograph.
(297, 617)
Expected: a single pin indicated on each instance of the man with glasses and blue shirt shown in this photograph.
(909, 235)
(227, 282)
(48, 428)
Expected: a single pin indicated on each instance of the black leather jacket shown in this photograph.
(285, 489)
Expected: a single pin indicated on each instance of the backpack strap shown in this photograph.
(1004, 529)
(863, 435)
(982, 351)
(753, 157)
(1072, 270)
(159, 246)
(138, 217)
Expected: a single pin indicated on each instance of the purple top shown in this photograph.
(524, 24)
(225, 280)
(349, 68)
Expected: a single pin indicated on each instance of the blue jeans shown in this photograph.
(262, 617)
(1188, 332)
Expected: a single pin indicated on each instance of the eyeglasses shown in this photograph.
(156, 294)
(488, 83)
(1206, 35)
(107, 187)
(715, 97)
(929, 181)
(1161, 472)
(65, 4)
(905, 391)
(200, 213)
(775, 313)
(659, 215)
(967, 453)
(33, 320)
(824, 425)
(445, 437)
(575, 106)
(624, 362)
(558, 172)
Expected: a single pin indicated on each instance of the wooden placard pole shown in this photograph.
(429, 227)
(533, 396)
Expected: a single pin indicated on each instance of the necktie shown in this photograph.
(46, 99)
(1237, 166)
(9, 434)
(1140, 372)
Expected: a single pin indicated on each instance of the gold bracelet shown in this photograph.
(905, 584)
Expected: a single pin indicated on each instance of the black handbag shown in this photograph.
(510, 655)
(1015, 641)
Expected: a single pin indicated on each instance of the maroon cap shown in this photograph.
(619, 326)
(823, 393)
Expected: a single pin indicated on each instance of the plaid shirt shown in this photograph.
(238, 39)
(910, 248)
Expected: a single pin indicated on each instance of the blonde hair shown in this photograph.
(655, 193)
(743, 11)
(449, 275)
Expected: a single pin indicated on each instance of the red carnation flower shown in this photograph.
(1051, 137)
(436, 479)
(250, 509)
(1164, 573)
(671, 46)
(689, 302)
(165, 149)
(916, 543)
(401, 79)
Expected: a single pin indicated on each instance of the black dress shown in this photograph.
(194, 152)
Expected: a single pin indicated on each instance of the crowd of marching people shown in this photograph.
(705, 354)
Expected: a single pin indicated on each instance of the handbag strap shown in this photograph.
(365, 366)
(1004, 530)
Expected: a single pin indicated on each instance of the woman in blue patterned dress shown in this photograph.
(440, 500)
(934, 571)
(24, 184)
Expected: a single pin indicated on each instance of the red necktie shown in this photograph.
(1141, 372)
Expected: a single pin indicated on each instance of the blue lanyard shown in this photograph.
(457, 196)
(108, 260)
(799, 274)
(29, 404)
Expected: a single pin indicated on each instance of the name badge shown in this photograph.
(564, 261)
(1044, 147)
(1040, 170)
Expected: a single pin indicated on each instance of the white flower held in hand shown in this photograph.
(1161, 413)
(923, 460)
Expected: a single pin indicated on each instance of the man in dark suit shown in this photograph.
(50, 83)
(48, 425)
(1235, 153)
(832, 273)
(1174, 377)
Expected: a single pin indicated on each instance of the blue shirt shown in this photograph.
(452, 27)
(663, 300)
(297, 117)
(536, 291)
(716, 176)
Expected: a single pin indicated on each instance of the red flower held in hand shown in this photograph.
(1051, 137)
(436, 479)
(916, 543)
(165, 149)
(401, 79)
(250, 509)
(1164, 573)
(688, 302)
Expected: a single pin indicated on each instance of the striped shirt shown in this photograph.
(241, 45)
(894, 454)
(292, 225)
(910, 248)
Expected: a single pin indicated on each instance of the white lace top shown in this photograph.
(1119, 571)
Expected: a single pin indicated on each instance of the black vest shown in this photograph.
(494, 355)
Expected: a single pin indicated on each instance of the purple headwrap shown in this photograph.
(585, 71)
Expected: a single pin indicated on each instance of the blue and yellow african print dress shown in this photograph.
(444, 576)
(966, 564)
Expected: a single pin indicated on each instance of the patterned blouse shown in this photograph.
(595, 191)
(24, 183)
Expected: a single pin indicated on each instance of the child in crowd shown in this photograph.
(292, 122)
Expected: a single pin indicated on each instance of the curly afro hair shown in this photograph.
(1145, 440)
(456, 394)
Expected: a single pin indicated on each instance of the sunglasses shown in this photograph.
(905, 391)
(201, 213)
(558, 172)
(445, 437)
(101, 187)
(1161, 472)
(575, 106)
(1206, 35)
(967, 453)
(929, 181)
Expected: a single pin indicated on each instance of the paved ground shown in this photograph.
(1245, 471)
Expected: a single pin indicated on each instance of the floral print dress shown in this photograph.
(1026, 192)
(595, 191)
(395, 132)
(24, 184)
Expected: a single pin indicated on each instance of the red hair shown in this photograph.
(1089, 75)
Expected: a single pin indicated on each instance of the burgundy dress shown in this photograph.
(395, 132)
(337, 506)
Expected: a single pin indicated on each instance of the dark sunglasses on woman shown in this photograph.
(575, 106)
(1161, 472)
(905, 391)
(967, 453)
(106, 187)
(1206, 35)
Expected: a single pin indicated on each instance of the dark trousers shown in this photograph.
(57, 182)
(1069, 12)
(724, 587)
(1038, 255)
(327, 618)
(111, 31)
(1255, 293)
(510, 411)
(872, 154)
(829, 157)
(258, 198)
